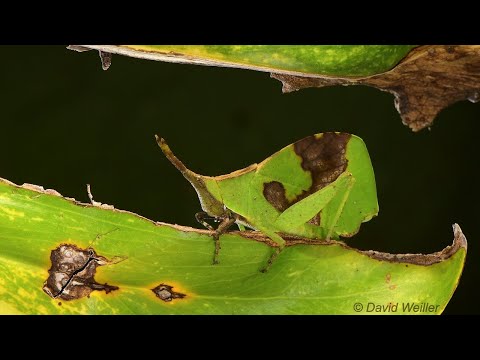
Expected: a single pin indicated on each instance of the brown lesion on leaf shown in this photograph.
(71, 275)
(426, 81)
(166, 293)
(388, 280)
(459, 242)
(323, 157)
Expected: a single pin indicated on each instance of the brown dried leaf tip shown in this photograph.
(106, 59)
(165, 293)
(426, 81)
(72, 273)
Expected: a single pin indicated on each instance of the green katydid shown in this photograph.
(320, 187)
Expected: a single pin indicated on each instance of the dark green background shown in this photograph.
(66, 123)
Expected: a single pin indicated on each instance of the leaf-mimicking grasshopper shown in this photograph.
(321, 187)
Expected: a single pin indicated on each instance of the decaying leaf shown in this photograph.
(427, 80)
(71, 275)
(166, 269)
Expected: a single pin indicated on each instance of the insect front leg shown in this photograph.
(221, 229)
(202, 216)
(225, 223)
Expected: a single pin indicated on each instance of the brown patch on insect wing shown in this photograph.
(274, 192)
(71, 275)
(166, 293)
(324, 157)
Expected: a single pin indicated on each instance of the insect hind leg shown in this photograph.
(276, 251)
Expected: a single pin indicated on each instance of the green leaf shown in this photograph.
(424, 79)
(137, 255)
(339, 60)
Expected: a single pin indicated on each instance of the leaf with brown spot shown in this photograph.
(71, 275)
(428, 80)
(423, 79)
(311, 277)
(166, 293)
